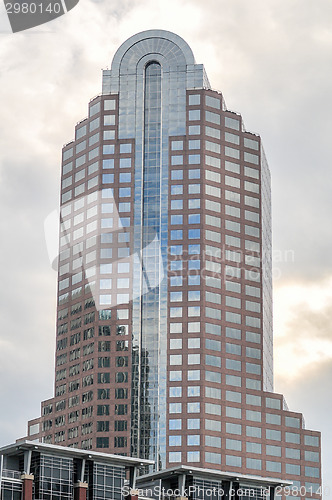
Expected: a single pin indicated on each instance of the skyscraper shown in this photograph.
(164, 333)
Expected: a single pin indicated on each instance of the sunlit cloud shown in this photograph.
(302, 326)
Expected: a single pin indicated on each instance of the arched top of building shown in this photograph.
(168, 46)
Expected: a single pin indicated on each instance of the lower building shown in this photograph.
(31, 471)
(195, 483)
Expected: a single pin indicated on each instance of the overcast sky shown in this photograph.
(272, 59)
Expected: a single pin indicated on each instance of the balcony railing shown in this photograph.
(11, 474)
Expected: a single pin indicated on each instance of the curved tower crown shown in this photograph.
(179, 71)
(152, 44)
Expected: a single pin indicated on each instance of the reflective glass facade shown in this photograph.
(151, 329)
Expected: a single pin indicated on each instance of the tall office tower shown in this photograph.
(164, 333)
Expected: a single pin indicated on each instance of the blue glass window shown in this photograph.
(194, 159)
(108, 178)
(194, 99)
(177, 204)
(194, 173)
(194, 295)
(125, 148)
(125, 162)
(194, 280)
(108, 163)
(194, 249)
(194, 114)
(124, 192)
(194, 129)
(177, 175)
(194, 234)
(174, 440)
(194, 218)
(193, 408)
(176, 265)
(176, 219)
(107, 208)
(124, 207)
(124, 221)
(175, 392)
(193, 440)
(177, 160)
(174, 424)
(108, 120)
(175, 296)
(194, 264)
(194, 188)
(109, 135)
(107, 193)
(195, 144)
(176, 234)
(177, 189)
(176, 249)
(177, 145)
(108, 149)
(125, 177)
(193, 423)
(176, 280)
(107, 223)
(194, 203)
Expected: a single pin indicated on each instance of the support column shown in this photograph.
(182, 486)
(80, 491)
(236, 487)
(27, 486)
(227, 486)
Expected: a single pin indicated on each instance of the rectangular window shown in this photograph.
(212, 146)
(292, 422)
(194, 114)
(213, 425)
(233, 153)
(212, 161)
(232, 123)
(212, 132)
(212, 409)
(212, 117)
(233, 428)
(275, 451)
(234, 139)
(252, 158)
(311, 440)
(213, 102)
(293, 469)
(194, 129)
(273, 434)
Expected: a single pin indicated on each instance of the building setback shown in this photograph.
(164, 331)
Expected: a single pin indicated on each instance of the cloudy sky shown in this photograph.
(272, 60)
